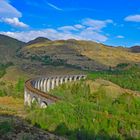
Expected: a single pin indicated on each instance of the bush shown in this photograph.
(129, 79)
(16, 90)
(3, 68)
(5, 127)
(85, 115)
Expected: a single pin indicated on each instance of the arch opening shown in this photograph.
(34, 102)
(43, 104)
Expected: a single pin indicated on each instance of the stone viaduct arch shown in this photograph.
(37, 89)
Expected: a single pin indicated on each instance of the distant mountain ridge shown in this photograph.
(8, 48)
(37, 40)
(85, 55)
(103, 55)
(135, 49)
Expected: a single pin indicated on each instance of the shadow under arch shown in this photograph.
(34, 102)
(43, 104)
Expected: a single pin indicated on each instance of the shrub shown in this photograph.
(5, 127)
(86, 115)
(125, 78)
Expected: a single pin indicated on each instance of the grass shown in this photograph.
(3, 68)
(84, 113)
(109, 56)
(87, 115)
(5, 127)
(11, 94)
(8, 88)
(12, 81)
(11, 106)
(15, 90)
(129, 78)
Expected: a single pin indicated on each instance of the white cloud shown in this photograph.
(89, 34)
(8, 11)
(56, 35)
(80, 31)
(10, 15)
(96, 25)
(67, 28)
(133, 18)
(48, 33)
(14, 22)
(120, 36)
(79, 26)
(54, 6)
(76, 27)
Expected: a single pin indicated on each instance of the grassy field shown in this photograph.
(84, 114)
(11, 90)
(107, 55)
(129, 78)
(90, 109)
(11, 106)
(14, 90)
(3, 68)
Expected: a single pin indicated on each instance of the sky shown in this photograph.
(112, 22)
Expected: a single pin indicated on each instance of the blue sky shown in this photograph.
(112, 22)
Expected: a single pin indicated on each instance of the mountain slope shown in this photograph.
(107, 55)
(38, 40)
(85, 54)
(135, 49)
(59, 53)
(8, 48)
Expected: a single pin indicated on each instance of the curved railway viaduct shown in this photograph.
(37, 89)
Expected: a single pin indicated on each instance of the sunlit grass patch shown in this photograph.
(10, 105)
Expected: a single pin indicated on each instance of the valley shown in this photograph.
(104, 106)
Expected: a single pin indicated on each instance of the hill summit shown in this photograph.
(86, 55)
(38, 40)
(135, 49)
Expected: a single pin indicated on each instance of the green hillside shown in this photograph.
(105, 106)
(87, 113)
(83, 54)
(8, 48)
(59, 53)
(42, 52)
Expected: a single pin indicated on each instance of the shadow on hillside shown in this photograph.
(82, 134)
(15, 128)
(18, 127)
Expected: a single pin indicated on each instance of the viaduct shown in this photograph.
(38, 89)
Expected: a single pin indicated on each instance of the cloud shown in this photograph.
(8, 11)
(54, 6)
(67, 28)
(48, 33)
(133, 18)
(83, 31)
(14, 22)
(120, 36)
(89, 34)
(43, 5)
(10, 15)
(79, 26)
(96, 25)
